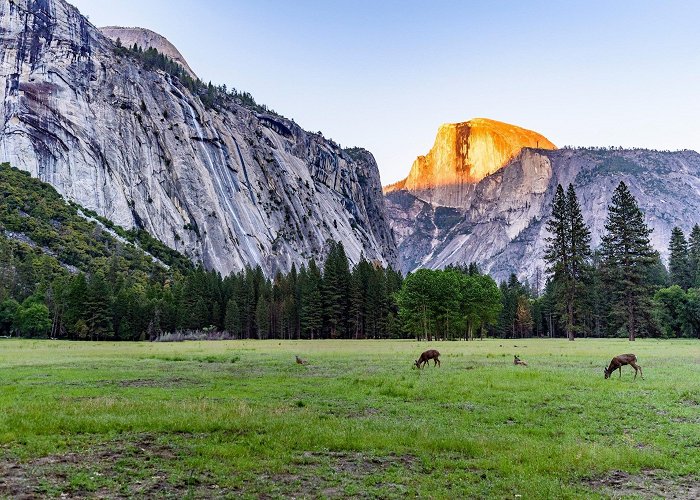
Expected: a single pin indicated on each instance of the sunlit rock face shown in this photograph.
(501, 224)
(230, 186)
(146, 39)
(463, 154)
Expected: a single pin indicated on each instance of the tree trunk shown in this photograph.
(570, 313)
(632, 325)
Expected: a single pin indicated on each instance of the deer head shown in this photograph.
(606, 372)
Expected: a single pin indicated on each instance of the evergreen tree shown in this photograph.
(694, 256)
(567, 255)
(510, 293)
(262, 312)
(232, 321)
(360, 302)
(579, 261)
(679, 260)
(336, 291)
(627, 257)
(311, 303)
(98, 308)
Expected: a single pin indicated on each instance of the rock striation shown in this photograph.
(230, 186)
(500, 222)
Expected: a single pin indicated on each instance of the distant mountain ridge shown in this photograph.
(499, 221)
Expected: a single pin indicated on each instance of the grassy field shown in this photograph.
(232, 419)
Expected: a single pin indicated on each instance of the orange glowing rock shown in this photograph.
(465, 153)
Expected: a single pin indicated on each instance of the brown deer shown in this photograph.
(619, 361)
(301, 361)
(518, 361)
(427, 356)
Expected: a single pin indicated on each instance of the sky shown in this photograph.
(385, 74)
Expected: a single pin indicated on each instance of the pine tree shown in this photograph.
(694, 256)
(232, 321)
(263, 312)
(311, 304)
(579, 262)
(627, 257)
(98, 308)
(359, 295)
(567, 255)
(336, 291)
(679, 261)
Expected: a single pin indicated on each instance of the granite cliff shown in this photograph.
(228, 184)
(463, 154)
(500, 219)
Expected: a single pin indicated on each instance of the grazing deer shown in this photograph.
(301, 361)
(518, 361)
(619, 361)
(427, 356)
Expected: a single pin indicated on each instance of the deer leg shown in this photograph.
(637, 367)
(620, 370)
(438, 361)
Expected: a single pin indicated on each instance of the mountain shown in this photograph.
(209, 173)
(146, 39)
(463, 154)
(499, 220)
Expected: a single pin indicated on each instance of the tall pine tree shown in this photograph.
(694, 256)
(679, 261)
(567, 255)
(627, 257)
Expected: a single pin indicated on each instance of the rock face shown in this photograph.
(146, 39)
(463, 154)
(230, 186)
(501, 221)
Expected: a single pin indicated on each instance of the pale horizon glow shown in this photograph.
(385, 75)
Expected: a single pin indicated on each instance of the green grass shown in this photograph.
(232, 419)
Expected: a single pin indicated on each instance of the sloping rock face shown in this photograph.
(146, 39)
(502, 222)
(463, 154)
(230, 187)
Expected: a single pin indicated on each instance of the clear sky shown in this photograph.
(384, 74)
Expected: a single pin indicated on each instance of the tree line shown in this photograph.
(66, 273)
(621, 289)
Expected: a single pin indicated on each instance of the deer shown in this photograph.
(427, 356)
(619, 361)
(518, 361)
(301, 361)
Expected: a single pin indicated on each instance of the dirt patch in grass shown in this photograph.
(141, 467)
(647, 484)
(163, 382)
(341, 474)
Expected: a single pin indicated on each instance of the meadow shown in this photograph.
(242, 419)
